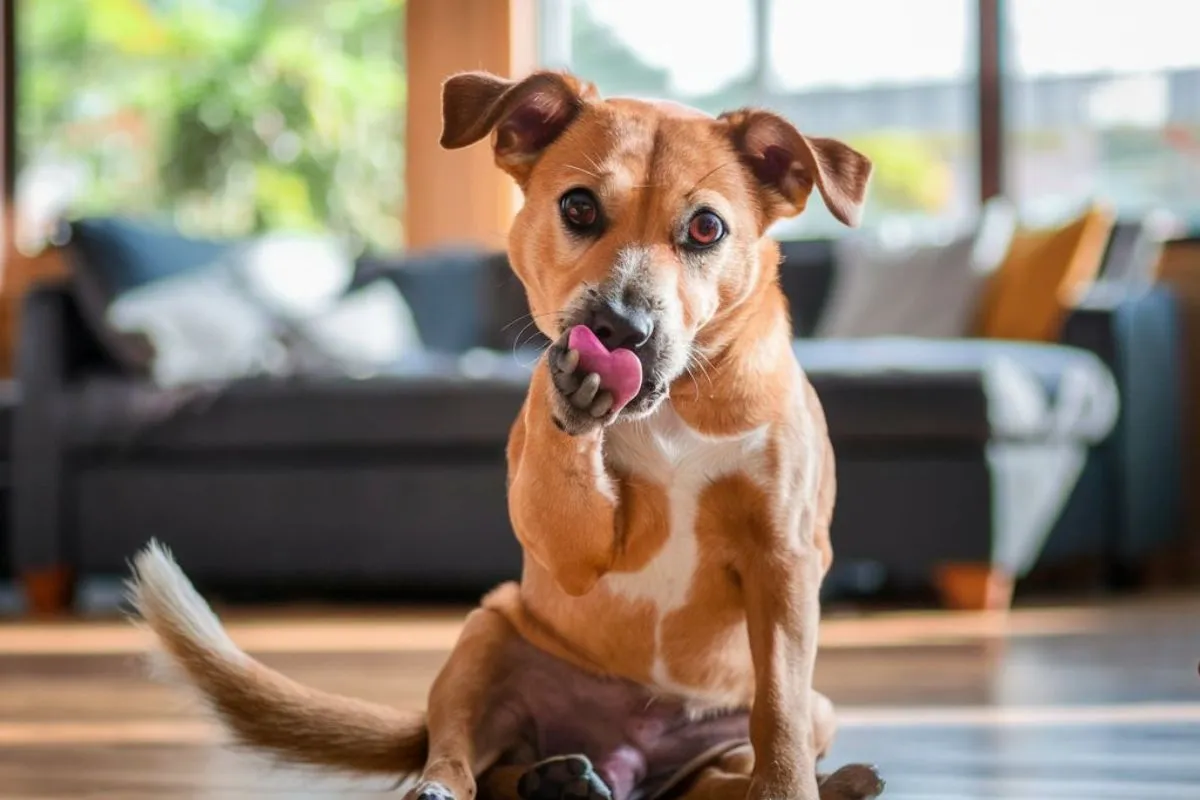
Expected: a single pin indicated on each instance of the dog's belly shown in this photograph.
(634, 736)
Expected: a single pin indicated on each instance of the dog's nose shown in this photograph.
(621, 327)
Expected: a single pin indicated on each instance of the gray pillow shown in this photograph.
(929, 290)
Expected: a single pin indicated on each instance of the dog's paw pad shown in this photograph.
(852, 782)
(562, 778)
(432, 791)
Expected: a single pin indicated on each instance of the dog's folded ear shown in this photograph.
(787, 164)
(526, 116)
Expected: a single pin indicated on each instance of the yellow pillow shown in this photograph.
(1029, 294)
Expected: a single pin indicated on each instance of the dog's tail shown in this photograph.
(264, 710)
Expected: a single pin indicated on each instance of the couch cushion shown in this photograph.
(461, 298)
(202, 325)
(125, 254)
(959, 390)
(428, 401)
(930, 289)
(1042, 275)
(873, 391)
(110, 256)
(806, 277)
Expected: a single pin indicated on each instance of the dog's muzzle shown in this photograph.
(621, 325)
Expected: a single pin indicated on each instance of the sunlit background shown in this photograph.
(242, 115)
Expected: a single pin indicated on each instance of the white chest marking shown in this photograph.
(664, 450)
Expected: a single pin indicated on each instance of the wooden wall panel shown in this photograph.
(459, 196)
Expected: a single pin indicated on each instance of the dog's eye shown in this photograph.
(580, 211)
(705, 229)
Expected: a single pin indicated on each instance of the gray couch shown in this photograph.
(396, 482)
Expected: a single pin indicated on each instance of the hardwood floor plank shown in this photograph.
(1086, 703)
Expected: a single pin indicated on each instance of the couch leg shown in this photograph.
(48, 591)
(974, 587)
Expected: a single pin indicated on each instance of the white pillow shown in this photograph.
(202, 327)
(929, 290)
(302, 279)
(364, 331)
(275, 306)
(294, 275)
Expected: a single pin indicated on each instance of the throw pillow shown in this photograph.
(202, 326)
(928, 291)
(295, 275)
(1045, 269)
(448, 290)
(366, 330)
(329, 324)
(111, 256)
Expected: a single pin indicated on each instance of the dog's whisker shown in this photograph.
(587, 172)
(538, 352)
(712, 172)
(592, 162)
(521, 318)
(518, 343)
(530, 316)
(694, 358)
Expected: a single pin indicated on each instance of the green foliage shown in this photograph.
(233, 116)
(910, 174)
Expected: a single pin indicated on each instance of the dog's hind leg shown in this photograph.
(470, 725)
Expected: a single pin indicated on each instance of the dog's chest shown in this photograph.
(682, 463)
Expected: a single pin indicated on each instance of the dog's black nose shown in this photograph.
(621, 327)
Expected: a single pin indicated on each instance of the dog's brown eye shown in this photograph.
(705, 229)
(580, 211)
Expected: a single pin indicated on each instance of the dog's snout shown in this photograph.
(618, 327)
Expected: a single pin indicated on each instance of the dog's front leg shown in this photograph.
(782, 613)
(562, 501)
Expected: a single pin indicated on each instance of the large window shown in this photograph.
(1104, 102)
(228, 116)
(895, 79)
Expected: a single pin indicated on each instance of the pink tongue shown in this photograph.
(620, 371)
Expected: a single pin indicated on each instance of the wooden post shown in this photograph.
(459, 197)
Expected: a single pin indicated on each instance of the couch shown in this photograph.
(962, 464)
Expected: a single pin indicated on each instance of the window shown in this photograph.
(901, 89)
(228, 116)
(1104, 103)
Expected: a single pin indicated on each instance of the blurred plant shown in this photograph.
(233, 116)
(910, 173)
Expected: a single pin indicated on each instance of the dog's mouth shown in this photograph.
(638, 376)
(647, 399)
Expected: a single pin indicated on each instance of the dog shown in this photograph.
(670, 480)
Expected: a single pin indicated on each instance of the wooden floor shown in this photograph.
(1088, 703)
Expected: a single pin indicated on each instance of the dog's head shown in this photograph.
(644, 220)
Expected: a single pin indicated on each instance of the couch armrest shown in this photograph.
(42, 367)
(1135, 330)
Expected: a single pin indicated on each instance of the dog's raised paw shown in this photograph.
(852, 782)
(562, 778)
(581, 405)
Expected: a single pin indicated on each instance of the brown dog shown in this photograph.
(675, 539)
